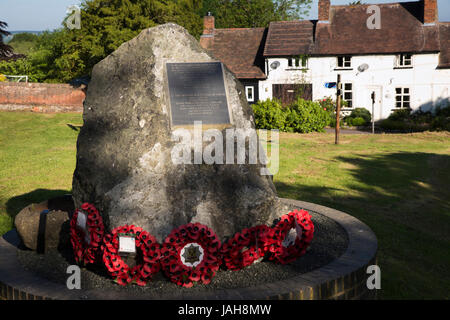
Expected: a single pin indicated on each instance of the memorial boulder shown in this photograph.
(157, 83)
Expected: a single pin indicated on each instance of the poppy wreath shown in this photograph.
(299, 220)
(86, 252)
(246, 247)
(148, 254)
(191, 253)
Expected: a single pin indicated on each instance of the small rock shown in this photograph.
(56, 227)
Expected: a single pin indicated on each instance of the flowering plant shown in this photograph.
(191, 253)
(148, 255)
(246, 247)
(86, 240)
(283, 252)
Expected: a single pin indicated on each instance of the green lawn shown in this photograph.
(397, 184)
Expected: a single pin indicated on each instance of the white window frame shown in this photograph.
(401, 60)
(295, 63)
(346, 62)
(252, 91)
(404, 92)
(344, 91)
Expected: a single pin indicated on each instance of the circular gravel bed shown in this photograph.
(330, 242)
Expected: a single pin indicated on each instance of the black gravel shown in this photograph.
(330, 241)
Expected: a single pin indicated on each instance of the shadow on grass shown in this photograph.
(405, 199)
(15, 204)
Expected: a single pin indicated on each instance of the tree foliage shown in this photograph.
(4, 48)
(62, 55)
(254, 13)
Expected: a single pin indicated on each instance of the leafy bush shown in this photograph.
(269, 114)
(400, 115)
(301, 116)
(361, 113)
(442, 119)
(358, 113)
(358, 121)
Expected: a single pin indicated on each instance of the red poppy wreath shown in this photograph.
(86, 234)
(246, 247)
(286, 248)
(191, 253)
(147, 250)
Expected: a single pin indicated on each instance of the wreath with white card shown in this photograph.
(86, 234)
(292, 236)
(129, 240)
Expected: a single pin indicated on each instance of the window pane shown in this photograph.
(398, 105)
(406, 104)
(297, 62)
(398, 98)
(289, 62)
(350, 104)
(405, 90)
(406, 98)
(347, 95)
(340, 62)
(348, 86)
(304, 63)
(398, 90)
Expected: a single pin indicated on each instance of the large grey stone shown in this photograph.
(124, 163)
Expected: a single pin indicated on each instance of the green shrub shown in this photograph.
(358, 121)
(361, 113)
(441, 121)
(302, 116)
(358, 113)
(269, 114)
(400, 115)
(307, 116)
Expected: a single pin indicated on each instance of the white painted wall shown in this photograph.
(429, 86)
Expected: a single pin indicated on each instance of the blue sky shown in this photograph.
(48, 14)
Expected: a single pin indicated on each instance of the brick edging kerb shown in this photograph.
(342, 278)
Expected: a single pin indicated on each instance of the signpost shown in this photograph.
(373, 112)
(338, 108)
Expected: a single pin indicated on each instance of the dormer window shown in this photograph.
(404, 60)
(344, 62)
(298, 63)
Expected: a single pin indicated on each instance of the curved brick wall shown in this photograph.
(41, 97)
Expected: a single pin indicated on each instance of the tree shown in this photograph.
(253, 13)
(106, 25)
(5, 50)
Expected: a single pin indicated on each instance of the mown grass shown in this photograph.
(396, 184)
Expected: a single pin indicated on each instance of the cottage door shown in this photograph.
(287, 93)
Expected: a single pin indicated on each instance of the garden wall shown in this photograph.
(41, 97)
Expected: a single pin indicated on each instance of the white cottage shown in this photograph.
(406, 62)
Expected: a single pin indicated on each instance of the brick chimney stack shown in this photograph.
(324, 11)
(430, 12)
(207, 38)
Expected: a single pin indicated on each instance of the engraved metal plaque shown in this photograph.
(197, 93)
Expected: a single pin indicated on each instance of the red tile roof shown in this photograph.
(240, 49)
(402, 30)
(287, 38)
